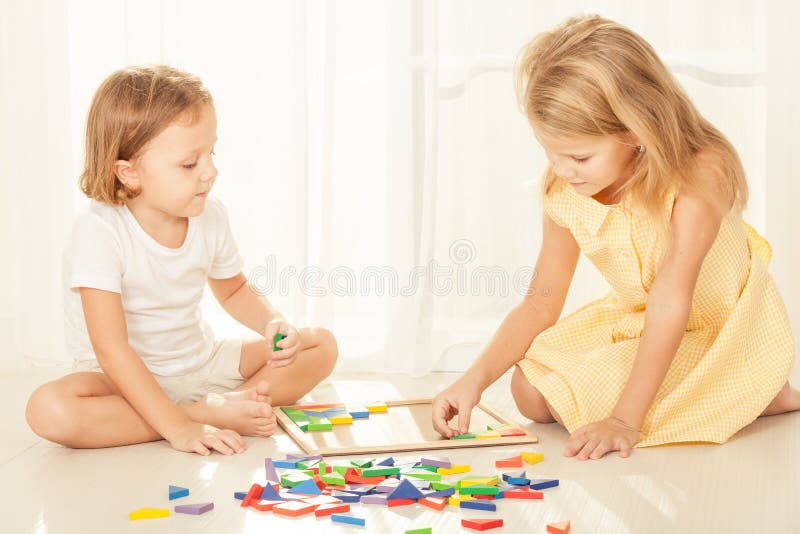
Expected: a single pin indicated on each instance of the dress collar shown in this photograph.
(591, 213)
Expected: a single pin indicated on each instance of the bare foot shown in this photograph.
(248, 412)
(787, 400)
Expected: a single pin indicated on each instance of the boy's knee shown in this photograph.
(47, 414)
(329, 349)
(530, 402)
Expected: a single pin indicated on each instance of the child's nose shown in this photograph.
(564, 171)
(210, 173)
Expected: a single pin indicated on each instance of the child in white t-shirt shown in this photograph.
(138, 259)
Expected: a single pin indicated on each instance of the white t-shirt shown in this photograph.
(160, 287)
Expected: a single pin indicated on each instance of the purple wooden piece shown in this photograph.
(437, 462)
(388, 485)
(194, 509)
(373, 499)
(269, 471)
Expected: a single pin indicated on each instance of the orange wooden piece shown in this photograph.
(399, 502)
(328, 509)
(558, 528)
(252, 495)
(437, 503)
(481, 524)
(514, 461)
(523, 494)
(294, 508)
(264, 506)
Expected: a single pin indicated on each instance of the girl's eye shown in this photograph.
(581, 160)
(189, 166)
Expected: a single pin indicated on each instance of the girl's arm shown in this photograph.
(105, 322)
(539, 309)
(693, 229)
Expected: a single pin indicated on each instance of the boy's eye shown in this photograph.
(581, 160)
(189, 166)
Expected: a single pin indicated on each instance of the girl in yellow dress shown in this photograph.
(692, 343)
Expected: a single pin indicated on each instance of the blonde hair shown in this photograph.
(131, 107)
(592, 76)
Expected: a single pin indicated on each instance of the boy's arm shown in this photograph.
(255, 312)
(243, 304)
(694, 227)
(105, 322)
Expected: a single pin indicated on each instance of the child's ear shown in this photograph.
(127, 174)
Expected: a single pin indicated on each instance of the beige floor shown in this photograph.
(751, 484)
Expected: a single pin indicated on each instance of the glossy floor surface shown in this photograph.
(750, 484)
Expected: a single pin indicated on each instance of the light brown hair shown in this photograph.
(590, 76)
(131, 107)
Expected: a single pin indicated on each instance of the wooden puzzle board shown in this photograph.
(406, 426)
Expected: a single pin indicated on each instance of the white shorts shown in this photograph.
(218, 375)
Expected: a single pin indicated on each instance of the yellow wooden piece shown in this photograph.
(488, 435)
(377, 407)
(344, 419)
(455, 499)
(472, 481)
(452, 470)
(532, 457)
(148, 513)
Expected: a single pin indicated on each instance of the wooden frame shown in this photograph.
(340, 440)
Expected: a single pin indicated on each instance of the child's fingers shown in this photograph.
(464, 414)
(587, 449)
(624, 450)
(601, 450)
(283, 355)
(280, 360)
(441, 415)
(269, 334)
(575, 443)
(233, 440)
(290, 339)
(214, 442)
(199, 448)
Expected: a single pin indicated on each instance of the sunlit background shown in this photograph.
(379, 177)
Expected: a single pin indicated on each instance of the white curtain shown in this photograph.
(380, 179)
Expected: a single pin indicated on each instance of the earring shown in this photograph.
(641, 149)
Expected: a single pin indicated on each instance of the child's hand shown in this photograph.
(596, 439)
(458, 399)
(202, 439)
(289, 346)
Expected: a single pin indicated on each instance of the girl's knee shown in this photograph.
(530, 402)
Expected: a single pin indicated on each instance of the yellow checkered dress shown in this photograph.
(735, 355)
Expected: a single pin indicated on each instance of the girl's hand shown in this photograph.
(202, 439)
(596, 439)
(458, 399)
(289, 346)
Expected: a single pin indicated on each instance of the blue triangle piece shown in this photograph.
(269, 493)
(176, 492)
(306, 487)
(405, 490)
